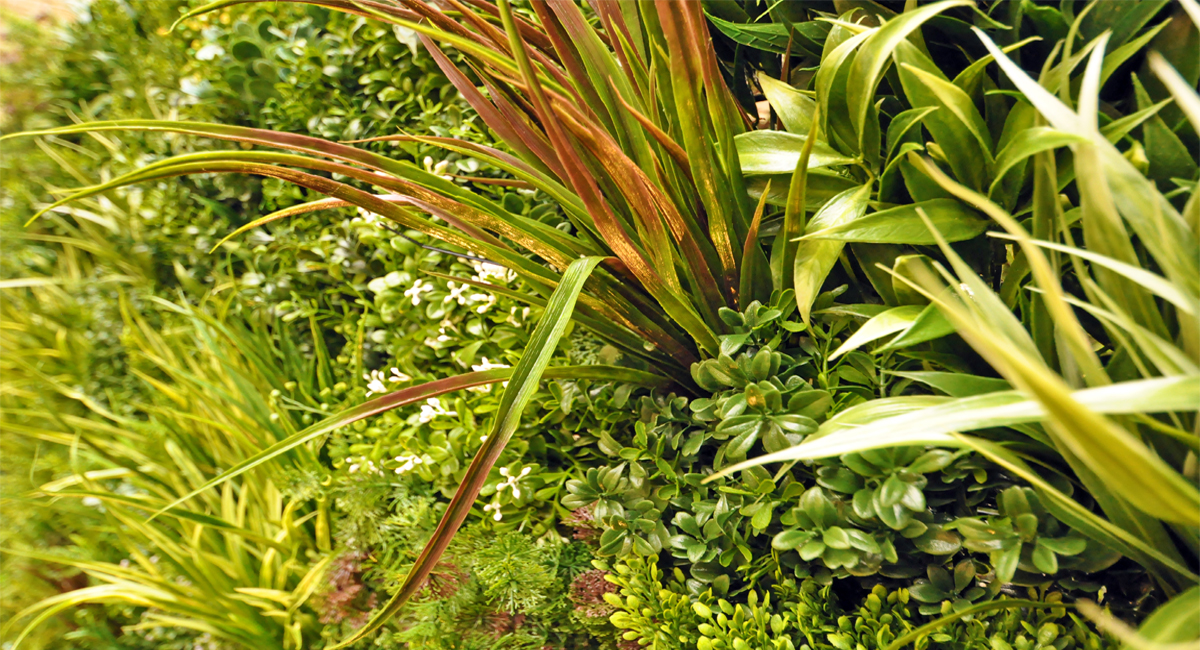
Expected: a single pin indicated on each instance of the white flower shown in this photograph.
(486, 271)
(408, 462)
(486, 365)
(511, 481)
(398, 376)
(488, 301)
(209, 52)
(368, 216)
(494, 507)
(433, 408)
(419, 287)
(363, 463)
(456, 293)
(375, 382)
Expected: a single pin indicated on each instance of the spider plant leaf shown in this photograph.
(1045, 275)
(957, 126)
(1128, 193)
(1148, 280)
(794, 108)
(1027, 143)
(903, 225)
(1168, 359)
(836, 124)
(820, 187)
(521, 388)
(903, 124)
(889, 322)
(875, 54)
(815, 258)
(934, 425)
(777, 152)
(1079, 431)
(956, 384)
(200, 518)
(929, 325)
(1185, 96)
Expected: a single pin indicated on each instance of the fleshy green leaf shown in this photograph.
(903, 225)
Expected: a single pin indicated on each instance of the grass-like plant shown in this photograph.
(630, 129)
(623, 117)
(1102, 352)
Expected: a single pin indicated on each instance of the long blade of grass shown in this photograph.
(875, 54)
(521, 387)
(783, 259)
(1152, 282)
(933, 425)
(413, 395)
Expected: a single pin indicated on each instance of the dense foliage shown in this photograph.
(938, 387)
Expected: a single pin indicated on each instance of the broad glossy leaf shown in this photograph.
(903, 225)
(770, 37)
(889, 322)
(875, 54)
(956, 127)
(929, 325)
(777, 152)
(1027, 143)
(901, 125)
(957, 384)
(794, 108)
(820, 186)
(815, 258)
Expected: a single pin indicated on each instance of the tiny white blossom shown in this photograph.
(398, 376)
(408, 462)
(486, 365)
(375, 383)
(486, 271)
(368, 216)
(419, 287)
(488, 301)
(432, 408)
(494, 507)
(456, 293)
(511, 481)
